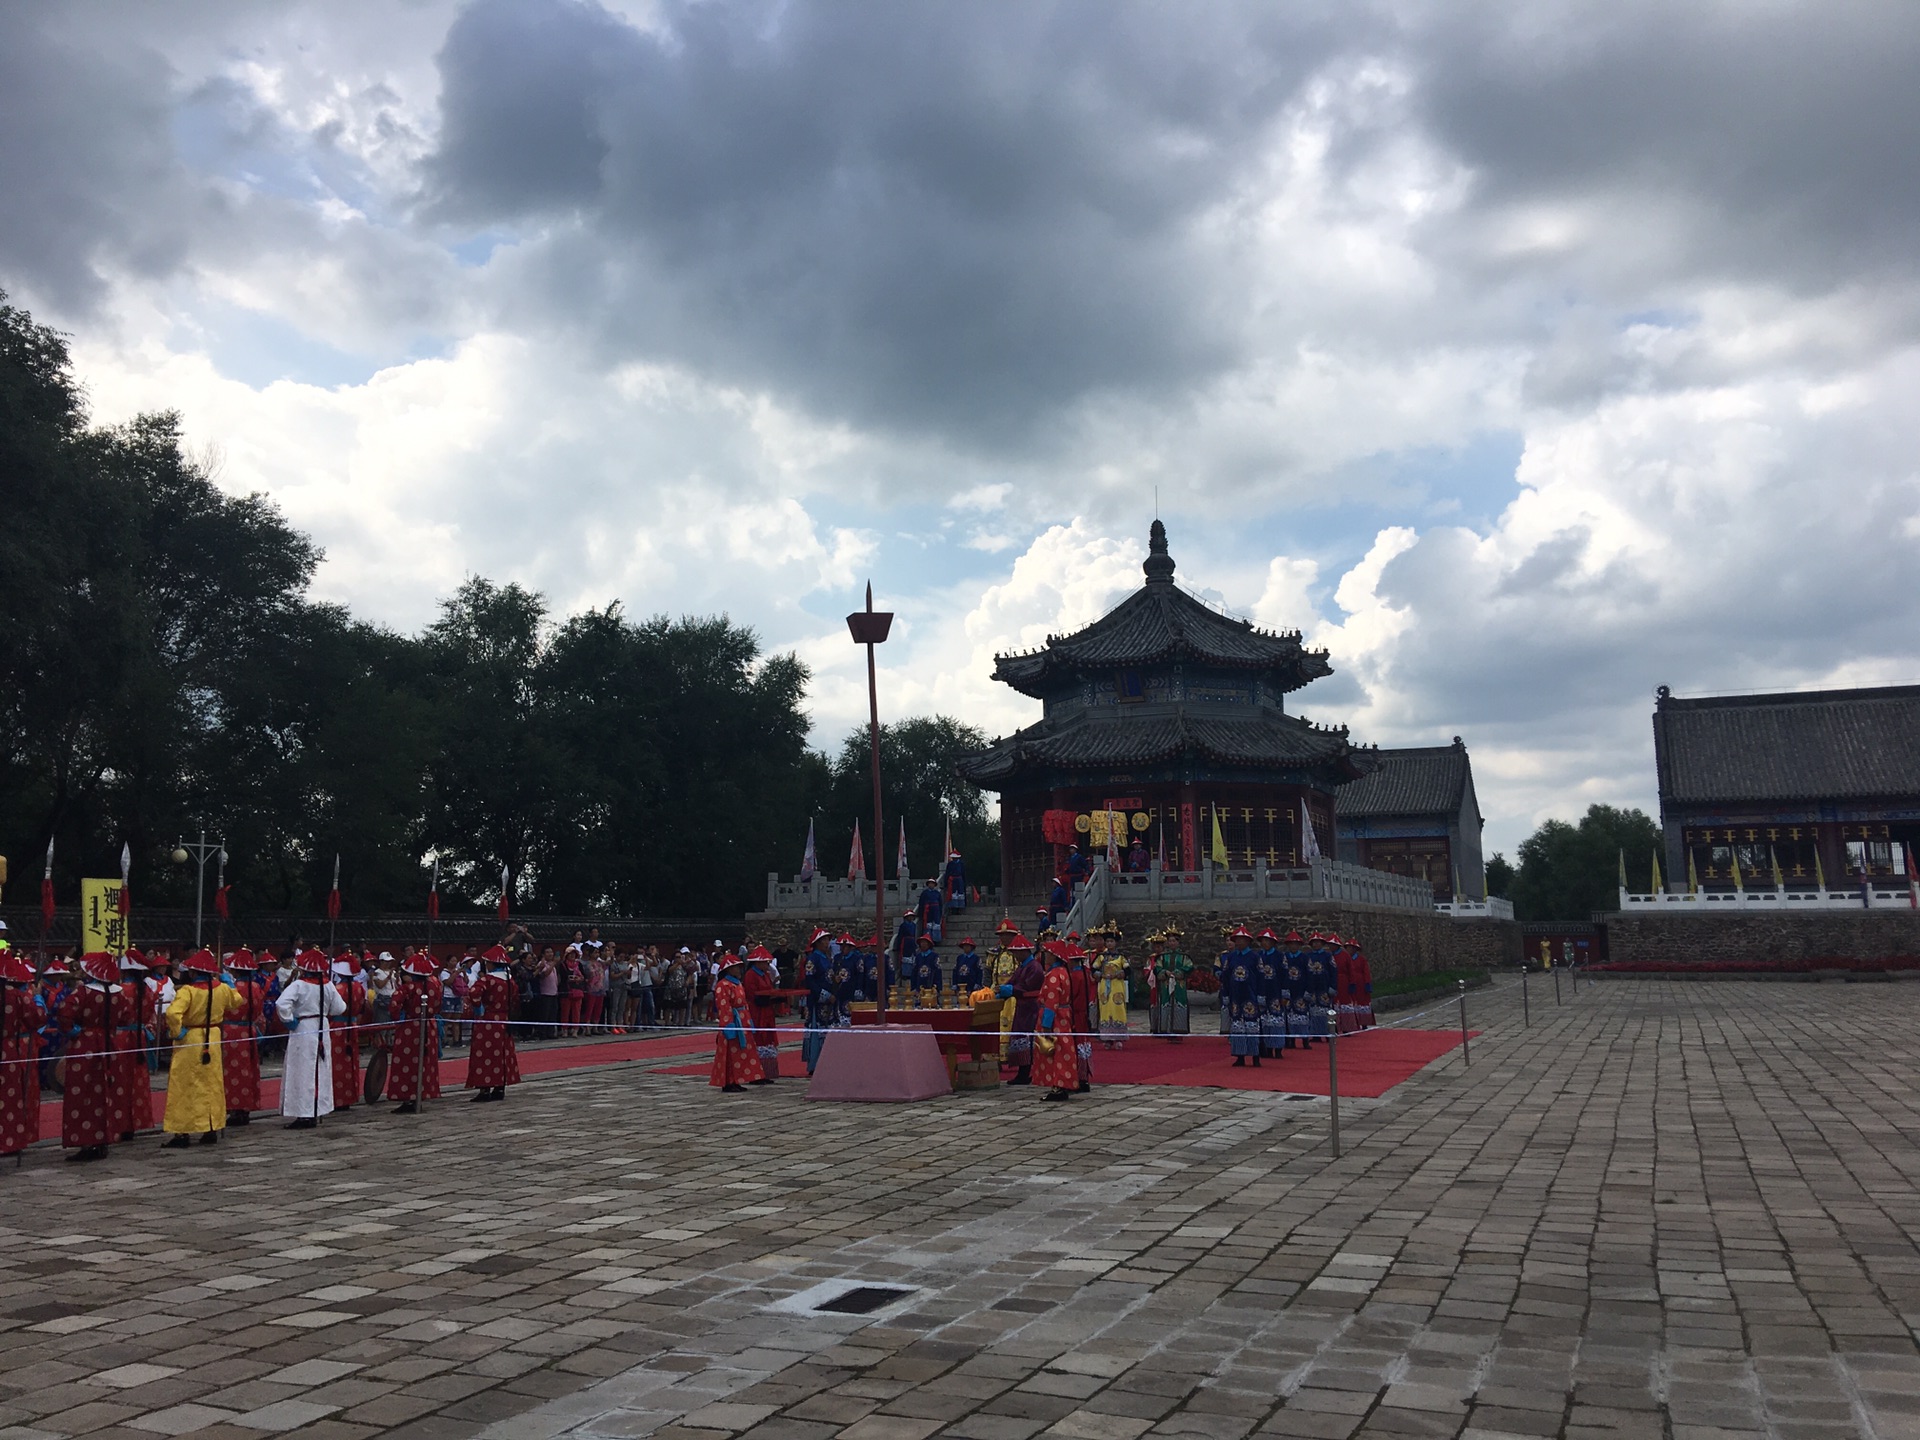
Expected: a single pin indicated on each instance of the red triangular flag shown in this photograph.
(433, 904)
(46, 903)
(220, 906)
(506, 887)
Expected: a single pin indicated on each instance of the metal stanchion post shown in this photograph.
(1333, 1077)
(1526, 1009)
(1466, 1050)
(1556, 987)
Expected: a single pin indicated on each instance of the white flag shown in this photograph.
(900, 862)
(1309, 844)
(807, 862)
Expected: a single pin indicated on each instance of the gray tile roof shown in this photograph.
(1131, 739)
(1813, 745)
(1157, 624)
(1424, 780)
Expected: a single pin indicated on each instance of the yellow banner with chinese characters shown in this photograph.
(102, 926)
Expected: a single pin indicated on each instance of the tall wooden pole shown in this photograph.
(869, 627)
(880, 889)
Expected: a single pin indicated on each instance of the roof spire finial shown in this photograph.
(1159, 566)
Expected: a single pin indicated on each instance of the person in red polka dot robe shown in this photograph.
(91, 1108)
(21, 1016)
(133, 1036)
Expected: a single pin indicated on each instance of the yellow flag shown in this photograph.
(1656, 872)
(1693, 875)
(1623, 870)
(1819, 871)
(1779, 880)
(1739, 888)
(1219, 841)
(102, 926)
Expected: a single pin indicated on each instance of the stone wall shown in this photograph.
(1397, 942)
(1856, 934)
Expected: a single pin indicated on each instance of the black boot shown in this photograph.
(1023, 1076)
(305, 1122)
(212, 1137)
(178, 1142)
(239, 1117)
(92, 1152)
(411, 1107)
(1238, 1061)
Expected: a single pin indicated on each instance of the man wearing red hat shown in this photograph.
(1240, 1000)
(494, 1062)
(1024, 991)
(758, 983)
(89, 1108)
(240, 1055)
(306, 1007)
(824, 976)
(735, 1062)
(196, 1091)
(413, 1072)
(22, 1013)
(1055, 1064)
(345, 1051)
(135, 1032)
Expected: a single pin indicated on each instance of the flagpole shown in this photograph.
(420, 1054)
(333, 907)
(870, 627)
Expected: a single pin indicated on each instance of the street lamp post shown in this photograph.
(870, 627)
(202, 851)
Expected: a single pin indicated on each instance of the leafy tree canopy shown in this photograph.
(165, 666)
(1567, 872)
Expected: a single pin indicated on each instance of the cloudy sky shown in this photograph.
(1527, 357)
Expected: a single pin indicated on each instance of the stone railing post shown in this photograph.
(773, 889)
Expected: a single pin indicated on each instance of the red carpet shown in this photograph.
(1371, 1063)
(453, 1072)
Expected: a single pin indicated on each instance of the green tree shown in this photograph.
(1567, 872)
(1499, 875)
(917, 780)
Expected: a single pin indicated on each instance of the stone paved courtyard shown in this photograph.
(1679, 1210)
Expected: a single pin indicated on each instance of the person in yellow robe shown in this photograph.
(1000, 972)
(196, 1087)
(1112, 992)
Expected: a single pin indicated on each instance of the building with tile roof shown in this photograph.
(1823, 784)
(1416, 814)
(1171, 714)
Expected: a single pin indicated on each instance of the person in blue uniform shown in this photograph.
(1059, 902)
(1240, 997)
(954, 882)
(1273, 994)
(1078, 866)
(968, 975)
(1318, 962)
(1293, 970)
(930, 910)
(823, 1005)
(926, 979)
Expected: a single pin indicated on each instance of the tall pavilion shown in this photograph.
(1173, 714)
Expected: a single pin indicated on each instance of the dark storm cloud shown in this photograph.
(964, 214)
(84, 159)
(1779, 138)
(965, 218)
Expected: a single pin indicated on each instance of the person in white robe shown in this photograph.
(306, 1082)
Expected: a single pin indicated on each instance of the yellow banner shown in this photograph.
(102, 926)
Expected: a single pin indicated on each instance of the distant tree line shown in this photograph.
(1568, 871)
(161, 665)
